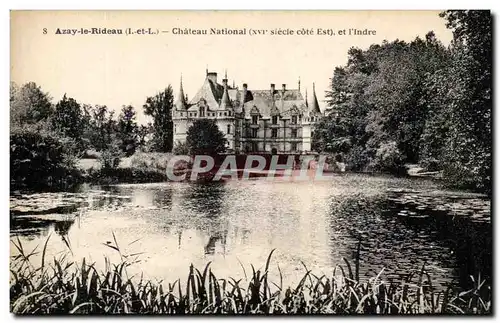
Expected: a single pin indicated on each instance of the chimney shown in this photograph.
(272, 88)
(244, 94)
(284, 87)
(212, 76)
(224, 82)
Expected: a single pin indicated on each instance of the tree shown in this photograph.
(101, 126)
(127, 130)
(67, 120)
(468, 155)
(143, 131)
(204, 137)
(29, 104)
(159, 107)
(377, 100)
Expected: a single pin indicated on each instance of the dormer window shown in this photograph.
(201, 107)
(255, 119)
(294, 119)
(275, 120)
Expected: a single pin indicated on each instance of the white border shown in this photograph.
(200, 5)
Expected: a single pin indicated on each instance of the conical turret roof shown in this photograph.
(181, 104)
(225, 102)
(314, 106)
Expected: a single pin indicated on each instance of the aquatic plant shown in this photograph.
(62, 286)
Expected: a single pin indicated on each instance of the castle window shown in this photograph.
(294, 133)
(229, 113)
(175, 128)
(294, 119)
(255, 119)
(275, 119)
(225, 114)
(294, 146)
(274, 133)
(202, 112)
(228, 128)
(254, 133)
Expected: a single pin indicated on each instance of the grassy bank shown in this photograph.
(64, 287)
(139, 168)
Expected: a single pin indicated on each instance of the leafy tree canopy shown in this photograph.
(205, 138)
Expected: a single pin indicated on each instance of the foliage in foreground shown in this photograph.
(64, 287)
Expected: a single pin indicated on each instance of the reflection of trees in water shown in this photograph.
(99, 200)
(214, 237)
(207, 202)
(401, 246)
(206, 198)
(163, 197)
(470, 243)
(385, 243)
(29, 227)
(62, 227)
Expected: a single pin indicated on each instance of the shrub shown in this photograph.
(151, 161)
(357, 158)
(125, 175)
(181, 148)
(40, 159)
(110, 157)
(388, 158)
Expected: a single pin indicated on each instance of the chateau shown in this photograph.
(276, 120)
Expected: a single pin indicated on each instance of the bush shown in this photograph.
(357, 158)
(181, 148)
(41, 160)
(125, 175)
(388, 158)
(151, 161)
(110, 157)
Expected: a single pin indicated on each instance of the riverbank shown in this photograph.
(81, 289)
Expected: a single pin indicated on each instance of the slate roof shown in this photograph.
(267, 104)
(181, 104)
(292, 101)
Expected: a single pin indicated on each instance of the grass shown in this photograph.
(65, 287)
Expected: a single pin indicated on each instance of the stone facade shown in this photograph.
(254, 121)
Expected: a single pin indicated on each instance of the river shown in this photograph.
(167, 226)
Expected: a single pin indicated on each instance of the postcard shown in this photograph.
(251, 162)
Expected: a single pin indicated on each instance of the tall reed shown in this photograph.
(62, 286)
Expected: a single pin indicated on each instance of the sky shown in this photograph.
(117, 70)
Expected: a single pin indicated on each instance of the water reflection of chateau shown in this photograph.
(272, 120)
